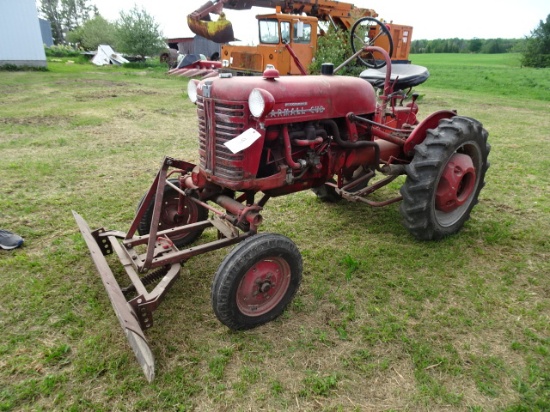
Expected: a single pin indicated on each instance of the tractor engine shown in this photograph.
(286, 130)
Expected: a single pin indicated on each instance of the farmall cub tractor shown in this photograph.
(267, 136)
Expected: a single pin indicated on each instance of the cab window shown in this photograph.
(285, 31)
(302, 36)
(269, 31)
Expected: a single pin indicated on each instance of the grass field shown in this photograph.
(493, 74)
(382, 322)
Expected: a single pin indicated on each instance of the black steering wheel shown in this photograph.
(368, 31)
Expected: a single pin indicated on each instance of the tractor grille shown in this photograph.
(218, 123)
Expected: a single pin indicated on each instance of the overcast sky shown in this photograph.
(431, 19)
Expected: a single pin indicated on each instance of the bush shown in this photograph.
(334, 47)
(93, 33)
(537, 47)
(138, 33)
(61, 51)
(145, 64)
(16, 68)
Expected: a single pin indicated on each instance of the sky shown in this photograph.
(430, 19)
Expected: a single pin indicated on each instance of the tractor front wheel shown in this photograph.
(256, 281)
(444, 178)
(170, 218)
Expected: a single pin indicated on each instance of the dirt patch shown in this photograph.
(93, 82)
(37, 120)
(112, 93)
(10, 89)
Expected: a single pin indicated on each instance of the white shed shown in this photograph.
(20, 36)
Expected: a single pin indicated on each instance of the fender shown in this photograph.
(419, 133)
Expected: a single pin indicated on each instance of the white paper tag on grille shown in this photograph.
(243, 141)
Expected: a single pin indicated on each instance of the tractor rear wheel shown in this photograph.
(169, 217)
(444, 178)
(256, 281)
(368, 31)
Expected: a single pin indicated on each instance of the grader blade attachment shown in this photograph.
(123, 311)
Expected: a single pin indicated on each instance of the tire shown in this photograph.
(256, 281)
(444, 178)
(359, 38)
(326, 193)
(169, 218)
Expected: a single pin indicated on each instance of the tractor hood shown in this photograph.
(295, 98)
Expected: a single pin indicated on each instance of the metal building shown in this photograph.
(195, 45)
(20, 36)
(46, 30)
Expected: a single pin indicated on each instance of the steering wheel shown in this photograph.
(368, 31)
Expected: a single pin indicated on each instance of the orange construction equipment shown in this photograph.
(288, 37)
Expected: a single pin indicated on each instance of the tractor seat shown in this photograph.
(407, 75)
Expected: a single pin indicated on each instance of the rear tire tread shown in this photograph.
(417, 207)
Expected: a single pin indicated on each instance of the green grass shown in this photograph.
(486, 74)
(382, 322)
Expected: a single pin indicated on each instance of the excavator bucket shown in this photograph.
(220, 31)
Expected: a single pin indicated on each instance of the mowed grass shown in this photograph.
(382, 322)
(482, 74)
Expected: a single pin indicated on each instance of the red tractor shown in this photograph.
(268, 136)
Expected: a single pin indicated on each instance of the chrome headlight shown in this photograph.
(260, 103)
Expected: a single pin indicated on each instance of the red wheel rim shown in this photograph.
(263, 286)
(170, 218)
(457, 183)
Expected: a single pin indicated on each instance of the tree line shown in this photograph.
(535, 48)
(486, 46)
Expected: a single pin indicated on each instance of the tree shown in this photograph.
(66, 15)
(493, 46)
(138, 33)
(94, 32)
(334, 47)
(475, 45)
(537, 47)
(50, 11)
(76, 12)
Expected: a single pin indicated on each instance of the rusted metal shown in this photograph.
(161, 260)
(361, 195)
(219, 31)
(136, 314)
(199, 69)
(125, 314)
